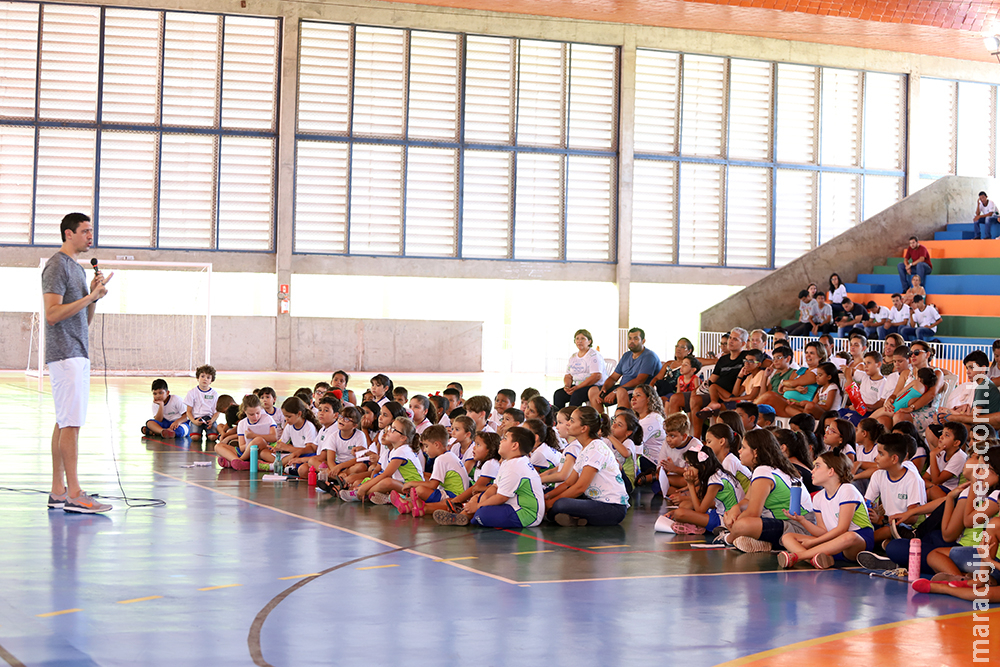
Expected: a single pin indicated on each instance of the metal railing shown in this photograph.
(947, 356)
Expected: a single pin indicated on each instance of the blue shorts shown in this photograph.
(714, 521)
(180, 431)
(868, 535)
(436, 496)
(293, 469)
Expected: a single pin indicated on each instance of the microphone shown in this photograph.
(93, 263)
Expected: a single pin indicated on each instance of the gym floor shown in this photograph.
(234, 571)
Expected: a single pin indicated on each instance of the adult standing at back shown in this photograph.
(986, 214)
(584, 370)
(69, 309)
(916, 259)
(635, 367)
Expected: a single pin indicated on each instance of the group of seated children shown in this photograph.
(821, 491)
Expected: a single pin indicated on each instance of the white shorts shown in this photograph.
(70, 390)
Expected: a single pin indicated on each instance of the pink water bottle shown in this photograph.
(914, 569)
(312, 482)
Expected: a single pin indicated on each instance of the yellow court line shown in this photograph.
(151, 597)
(611, 546)
(540, 551)
(377, 567)
(449, 560)
(299, 576)
(840, 635)
(58, 613)
(335, 527)
(215, 588)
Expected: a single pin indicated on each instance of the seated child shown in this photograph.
(298, 439)
(233, 413)
(516, 500)
(726, 446)
(866, 454)
(711, 491)
(403, 464)
(268, 397)
(449, 478)
(626, 432)
(255, 429)
(486, 461)
(169, 413)
(843, 528)
(527, 395)
(202, 405)
(478, 408)
(463, 438)
(422, 412)
(511, 417)
(545, 455)
(570, 450)
(338, 443)
(505, 399)
(765, 415)
(381, 388)
(677, 440)
(895, 491)
(441, 409)
(947, 460)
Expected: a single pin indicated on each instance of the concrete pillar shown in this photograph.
(912, 132)
(626, 162)
(283, 242)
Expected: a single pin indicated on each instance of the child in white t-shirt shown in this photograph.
(678, 440)
(202, 411)
(626, 431)
(895, 490)
(866, 454)
(297, 444)
(169, 413)
(463, 440)
(947, 460)
(546, 455)
(404, 464)
(339, 443)
(570, 450)
(449, 478)
(268, 397)
(255, 429)
(486, 467)
(711, 491)
(843, 528)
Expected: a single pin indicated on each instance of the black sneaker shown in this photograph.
(872, 561)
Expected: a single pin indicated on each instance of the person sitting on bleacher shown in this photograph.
(852, 318)
(899, 317)
(807, 311)
(916, 259)
(986, 213)
(924, 321)
(822, 321)
(878, 320)
(916, 289)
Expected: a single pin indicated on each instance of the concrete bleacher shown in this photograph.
(964, 286)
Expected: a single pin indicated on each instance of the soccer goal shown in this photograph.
(155, 320)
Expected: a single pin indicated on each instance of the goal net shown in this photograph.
(155, 320)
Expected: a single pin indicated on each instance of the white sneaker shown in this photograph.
(349, 496)
(84, 504)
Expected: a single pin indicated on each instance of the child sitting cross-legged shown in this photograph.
(169, 413)
(516, 500)
(842, 529)
(711, 491)
(338, 443)
(403, 464)
(486, 460)
(448, 477)
(545, 455)
(256, 428)
(677, 441)
(625, 436)
(947, 460)
(298, 439)
(463, 439)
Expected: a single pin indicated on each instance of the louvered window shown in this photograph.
(750, 109)
(704, 112)
(936, 142)
(795, 207)
(654, 211)
(186, 106)
(657, 88)
(479, 151)
(885, 121)
(838, 204)
(841, 118)
(976, 118)
(701, 210)
(748, 219)
(798, 114)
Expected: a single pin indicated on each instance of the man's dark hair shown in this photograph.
(71, 222)
(803, 294)
(914, 238)
(160, 383)
(642, 334)
(983, 194)
(917, 297)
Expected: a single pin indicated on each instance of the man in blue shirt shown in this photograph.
(635, 367)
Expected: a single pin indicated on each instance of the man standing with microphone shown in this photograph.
(69, 309)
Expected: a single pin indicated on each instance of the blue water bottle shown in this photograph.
(795, 497)
(254, 454)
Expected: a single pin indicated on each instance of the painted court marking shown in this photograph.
(58, 613)
(151, 597)
(610, 546)
(449, 560)
(298, 576)
(215, 588)
(377, 567)
(540, 551)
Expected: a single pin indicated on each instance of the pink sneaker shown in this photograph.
(224, 462)
(240, 464)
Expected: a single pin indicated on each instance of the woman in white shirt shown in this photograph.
(584, 370)
(837, 293)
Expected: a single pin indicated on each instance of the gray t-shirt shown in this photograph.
(68, 339)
